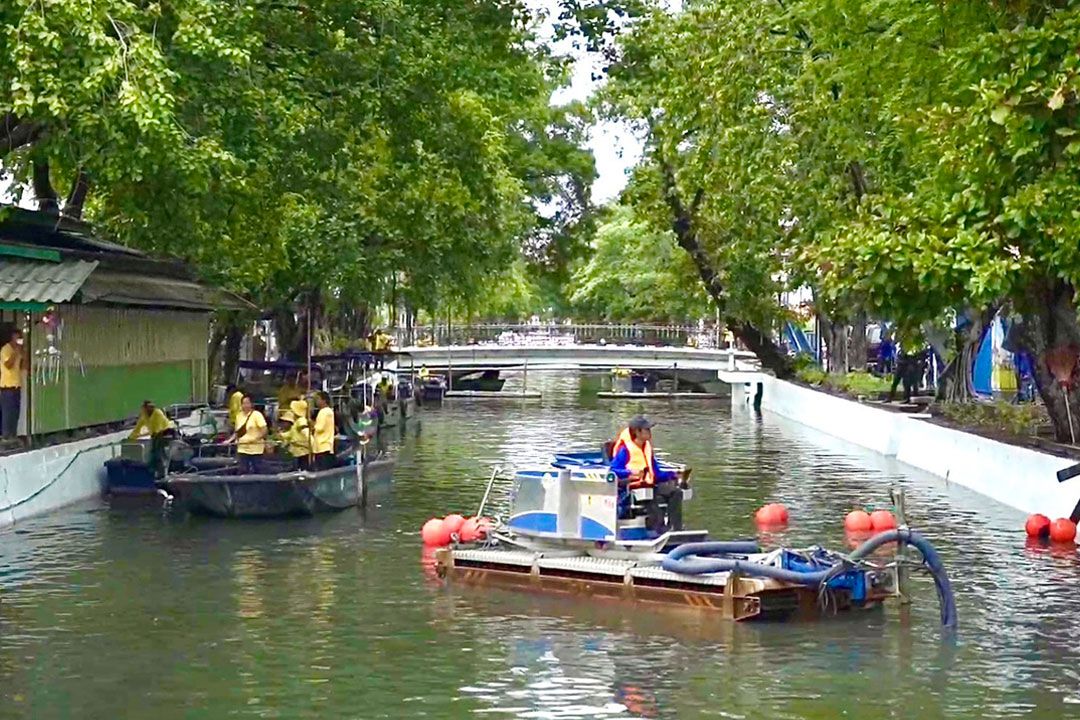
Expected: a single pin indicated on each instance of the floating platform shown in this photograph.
(728, 595)
(492, 395)
(661, 396)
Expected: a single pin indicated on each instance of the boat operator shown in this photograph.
(249, 437)
(323, 436)
(161, 430)
(632, 459)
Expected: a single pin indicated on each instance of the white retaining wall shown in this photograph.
(1018, 477)
(38, 481)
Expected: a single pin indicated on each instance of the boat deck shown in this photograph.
(730, 596)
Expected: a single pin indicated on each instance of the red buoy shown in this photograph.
(435, 533)
(470, 530)
(858, 521)
(1037, 526)
(483, 527)
(881, 520)
(453, 522)
(1062, 530)
(771, 515)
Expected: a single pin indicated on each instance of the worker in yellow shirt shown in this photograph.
(234, 398)
(249, 437)
(12, 368)
(297, 436)
(324, 433)
(160, 428)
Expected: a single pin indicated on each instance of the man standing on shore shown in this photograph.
(12, 367)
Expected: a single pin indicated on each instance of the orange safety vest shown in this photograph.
(640, 458)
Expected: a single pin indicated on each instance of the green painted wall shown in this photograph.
(111, 393)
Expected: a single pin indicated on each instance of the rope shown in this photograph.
(55, 479)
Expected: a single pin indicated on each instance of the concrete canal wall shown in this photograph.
(39, 481)
(1018, 477)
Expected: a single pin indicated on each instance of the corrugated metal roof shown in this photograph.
(125, 289)
(45, 282)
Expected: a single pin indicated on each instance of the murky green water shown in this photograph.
(116, 612)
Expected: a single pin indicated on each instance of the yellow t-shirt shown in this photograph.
(236, 401)
(298, 439)
(324, 431)
(156, 423)
(251, 442)
(10, 377)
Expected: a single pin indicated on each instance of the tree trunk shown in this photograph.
(956, 383)
(835, 334)
(234, 336)
(47, 199)
(760, 343)
(1050, 322)
(76, 199)
(291, 327)
(857, 346)
(16, 133)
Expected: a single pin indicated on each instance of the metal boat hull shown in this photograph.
(280, 495)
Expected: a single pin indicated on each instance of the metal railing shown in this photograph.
(561, 334)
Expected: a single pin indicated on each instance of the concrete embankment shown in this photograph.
(1018, 477)
(42, 480)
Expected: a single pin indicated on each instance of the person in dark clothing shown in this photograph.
(910, 368)
(1025, 376)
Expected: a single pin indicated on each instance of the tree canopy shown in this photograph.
(636, 273)
(322, 154)
(903, 159)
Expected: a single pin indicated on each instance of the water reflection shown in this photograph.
(119, 612)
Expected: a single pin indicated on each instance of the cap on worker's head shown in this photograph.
(287, 416)
(640, 423)
(298, 407)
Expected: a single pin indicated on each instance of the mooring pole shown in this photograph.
(901, 554)
(525, 378)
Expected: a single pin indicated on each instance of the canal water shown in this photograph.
(119, 612)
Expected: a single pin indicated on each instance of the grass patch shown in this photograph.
(1022, 420)
(852, 383)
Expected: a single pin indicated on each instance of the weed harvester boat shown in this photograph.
(573, 528)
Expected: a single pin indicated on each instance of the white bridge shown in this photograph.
(566, 356)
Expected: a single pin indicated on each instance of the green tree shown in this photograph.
(636, 273)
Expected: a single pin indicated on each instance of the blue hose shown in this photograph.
(697, 559)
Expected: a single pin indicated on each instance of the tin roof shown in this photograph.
(125, 289)
(42, 282)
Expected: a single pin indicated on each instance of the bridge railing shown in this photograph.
(555, 333)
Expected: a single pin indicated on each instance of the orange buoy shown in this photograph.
(858, 521)
(882, 520)
(1062, 530)
(435, 533)
(453, 522)
(772, 514)
(1037, 526)
(470, 530)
